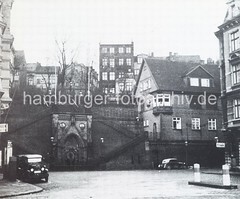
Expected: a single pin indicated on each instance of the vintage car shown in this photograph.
(172, 163)
(31, 167)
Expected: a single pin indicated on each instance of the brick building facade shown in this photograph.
(176, 113)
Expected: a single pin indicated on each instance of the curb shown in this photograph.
(37, 190)
(219, 173)
(213, 185)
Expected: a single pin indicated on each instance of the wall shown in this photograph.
(202, 152)
(164, 122)
(29, 129)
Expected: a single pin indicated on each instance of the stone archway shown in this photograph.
(74, 150)
(71, 150)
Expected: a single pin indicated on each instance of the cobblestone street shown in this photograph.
(131, 184)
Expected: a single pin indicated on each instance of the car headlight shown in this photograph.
(32, 170)
(42, 169)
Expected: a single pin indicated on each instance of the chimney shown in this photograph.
(152, 54)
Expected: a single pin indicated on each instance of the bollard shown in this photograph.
(197, 177)
(226, 175)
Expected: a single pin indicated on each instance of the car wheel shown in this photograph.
(168, 167)
(46, 179)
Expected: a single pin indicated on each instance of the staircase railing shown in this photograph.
(118, 151)
(114, 125)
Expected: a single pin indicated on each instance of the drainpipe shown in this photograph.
(160, 126)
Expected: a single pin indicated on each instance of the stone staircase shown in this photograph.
(117, 151)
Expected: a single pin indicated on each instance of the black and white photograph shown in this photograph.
(120, 99)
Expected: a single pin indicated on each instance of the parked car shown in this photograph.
(31, 167)
(172, 163)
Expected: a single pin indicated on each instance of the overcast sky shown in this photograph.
(160, 26)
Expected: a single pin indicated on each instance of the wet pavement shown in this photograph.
(132, 184)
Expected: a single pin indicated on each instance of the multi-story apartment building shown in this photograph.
(178, 103)
(6, 51)
(6, 61)
(229, 39)
(116, 63)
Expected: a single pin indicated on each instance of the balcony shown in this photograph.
(162, 109)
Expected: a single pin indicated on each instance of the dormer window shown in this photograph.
(205, 82)
(194, 81)
(200, 82)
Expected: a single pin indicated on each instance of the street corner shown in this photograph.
(10, 189)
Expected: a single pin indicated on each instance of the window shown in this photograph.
(195, 123)
(104, 76)
(121, 86)
(212, 124)
(234, 41)
(120, 49)
(120, 74)
(112, 76)
(120, 62)
(128, 86)
(136, 71)
(194, 81)
(111, 62)
(176, 123)
(128, 50)
(205, 83)
(112, 90)
(30, 82)
(104, 61)
(38, 81)
(236, 107)
(129, 62)
(104, 50)
(236, 74)
(162, 100)
(145, 123)
(105, 90)
(139, 60)
(111, 50)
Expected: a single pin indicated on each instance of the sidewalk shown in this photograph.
(10, 189)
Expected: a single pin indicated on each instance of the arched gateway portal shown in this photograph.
(72, 135)
(74, 149)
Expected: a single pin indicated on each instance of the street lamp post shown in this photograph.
(137, 125)
(186, 148)
(186, 144)
(101, 146)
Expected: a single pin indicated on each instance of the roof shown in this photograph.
(169, 76)
(45, 69)
(30, 155)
